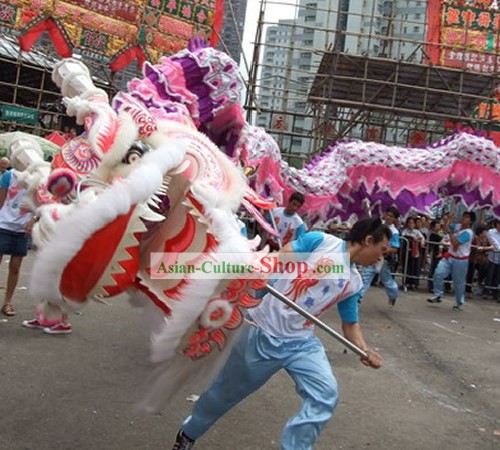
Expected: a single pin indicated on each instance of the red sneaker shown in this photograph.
(59, 328)
(33, 323)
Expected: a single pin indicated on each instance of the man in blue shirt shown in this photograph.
(455, 261)
(391, 287)
(278, 337)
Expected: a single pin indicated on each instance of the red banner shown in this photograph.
(118, 9)
(463, 35)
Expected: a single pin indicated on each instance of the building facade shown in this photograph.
(233, 28)
(293, 50)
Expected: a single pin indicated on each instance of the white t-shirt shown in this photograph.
(289, 227)
(12, 218)
(465, 239)
(315, 296)
(494, 238)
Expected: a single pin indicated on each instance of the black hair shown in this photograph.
(471, 214)
(495, 222)
(434, 223)
(479, 230)
(372, 226)
(394, 211)
(298, 197)
(411, 218)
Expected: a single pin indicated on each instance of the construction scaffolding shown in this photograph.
(398, 72)
(29, 100)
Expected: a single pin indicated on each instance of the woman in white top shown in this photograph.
(415, 241)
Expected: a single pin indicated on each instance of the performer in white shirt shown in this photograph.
(280, 338)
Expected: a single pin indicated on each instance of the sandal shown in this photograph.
(8, 310)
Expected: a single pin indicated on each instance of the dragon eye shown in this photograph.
(132, 157)
(135, 152)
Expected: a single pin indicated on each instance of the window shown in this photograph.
(416, 29)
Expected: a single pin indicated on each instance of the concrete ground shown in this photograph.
(438, 389)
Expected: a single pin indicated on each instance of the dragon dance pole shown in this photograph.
(317, 322)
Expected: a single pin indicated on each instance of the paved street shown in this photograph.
(438, 389)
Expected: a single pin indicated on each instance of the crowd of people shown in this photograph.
(427, 242)
(417, 247)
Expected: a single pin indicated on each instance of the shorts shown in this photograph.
(13, 243)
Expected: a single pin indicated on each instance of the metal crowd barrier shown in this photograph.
(425, 262)
(401, 267)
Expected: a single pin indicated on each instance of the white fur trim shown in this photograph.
(86, 219)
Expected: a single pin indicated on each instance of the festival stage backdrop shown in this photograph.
(116, 32)
(464, 34)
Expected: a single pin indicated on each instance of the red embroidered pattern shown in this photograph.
(205, 340)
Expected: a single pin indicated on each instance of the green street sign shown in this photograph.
(11, 113)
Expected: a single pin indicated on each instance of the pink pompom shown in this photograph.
(61, 182)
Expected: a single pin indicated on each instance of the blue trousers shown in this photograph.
(458, 270)
(256, 357)
(391, 287)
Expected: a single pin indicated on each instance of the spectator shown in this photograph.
(456, 261)
(478, 260)
(4, 165)
(416, 241)
(422, 225)
(493, 279)
(435, 250)
(288, 223)
(15, 228)
(391, 287)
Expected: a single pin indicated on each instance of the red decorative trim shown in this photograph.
(84, 271)
(127, 57)
(217, 23)
(153, 297)
(56, 33)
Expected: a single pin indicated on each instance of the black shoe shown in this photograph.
(183, 442)
(435, 299)
(457, 308)
(392, 301)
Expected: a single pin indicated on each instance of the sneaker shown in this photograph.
(392, 301)
(457, 308)
(183, 442)
(33, 323)
(435, 299)
(59, 328)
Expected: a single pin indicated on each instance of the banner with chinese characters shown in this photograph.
(464, 34)
(113, 31)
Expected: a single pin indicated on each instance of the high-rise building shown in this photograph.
(233, 27)
(294, 48)
(290, 61)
